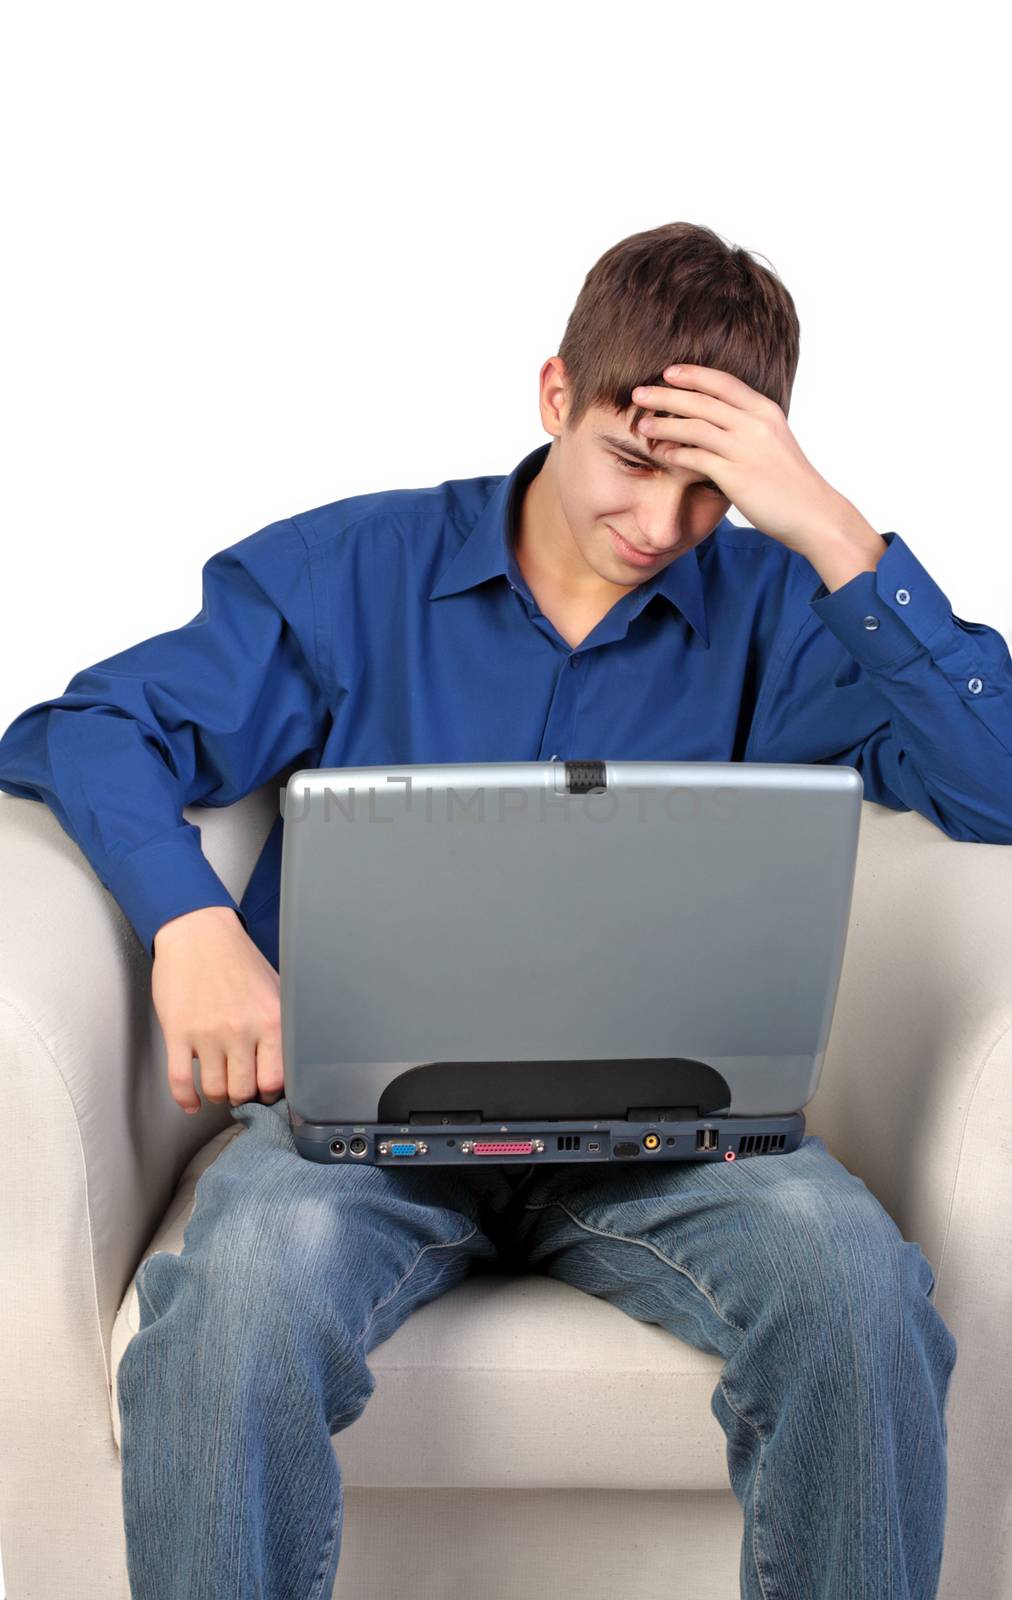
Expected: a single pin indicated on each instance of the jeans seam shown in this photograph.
(755, 1488)
(142, 1299)
(318, 1586)
(448, 1244)
(644, 1244)
(333, 1423)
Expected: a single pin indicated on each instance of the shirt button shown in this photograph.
(975, 685)
(574, 661)
(871, 623)
(903, 597)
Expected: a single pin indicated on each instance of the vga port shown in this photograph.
(402, 1147)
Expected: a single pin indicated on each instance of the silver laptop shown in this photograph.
(545, 961)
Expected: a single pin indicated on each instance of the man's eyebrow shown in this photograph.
(641, 455)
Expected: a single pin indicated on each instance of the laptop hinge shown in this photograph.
(586, 777)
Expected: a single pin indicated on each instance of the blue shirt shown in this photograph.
(396, 627)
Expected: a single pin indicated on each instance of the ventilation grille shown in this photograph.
(760, 1144)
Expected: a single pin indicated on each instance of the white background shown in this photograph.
(262, 257)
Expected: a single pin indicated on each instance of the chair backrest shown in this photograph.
(232, 837)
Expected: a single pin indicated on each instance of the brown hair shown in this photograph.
(671, 294)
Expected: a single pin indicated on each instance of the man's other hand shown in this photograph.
(218, 1000)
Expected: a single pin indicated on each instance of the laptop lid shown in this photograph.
(512, 912)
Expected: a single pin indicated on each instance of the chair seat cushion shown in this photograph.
(509, 1381)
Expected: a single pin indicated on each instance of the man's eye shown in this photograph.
(643, 466)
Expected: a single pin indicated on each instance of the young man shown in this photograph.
(595, 602)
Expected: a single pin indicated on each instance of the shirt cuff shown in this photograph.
(165, 879)
(888, 616)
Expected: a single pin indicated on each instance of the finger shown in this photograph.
(684, 430)
(242, 1071)
(180, 1072)
(270, 1068)
(687, 403)
(712, 380)
(212, 1070)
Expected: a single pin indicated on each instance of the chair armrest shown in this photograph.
(916, 1089)
(916, 1099)
(91, 1140)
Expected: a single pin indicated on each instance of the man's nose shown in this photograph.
(662, 526)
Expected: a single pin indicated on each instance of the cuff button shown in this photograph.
(975, 685)
(903, 597)
(871, 623)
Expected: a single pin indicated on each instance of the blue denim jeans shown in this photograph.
(251, 1351)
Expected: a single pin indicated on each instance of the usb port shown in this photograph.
(706, 1138)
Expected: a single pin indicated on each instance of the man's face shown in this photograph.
(610, 482)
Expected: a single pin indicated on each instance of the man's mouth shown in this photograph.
(632, 552)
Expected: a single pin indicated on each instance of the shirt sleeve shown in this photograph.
(881, 676)
(205, 713)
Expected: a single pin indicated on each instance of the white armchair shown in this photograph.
(476, 1463)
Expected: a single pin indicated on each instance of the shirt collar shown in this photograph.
(487, 552)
